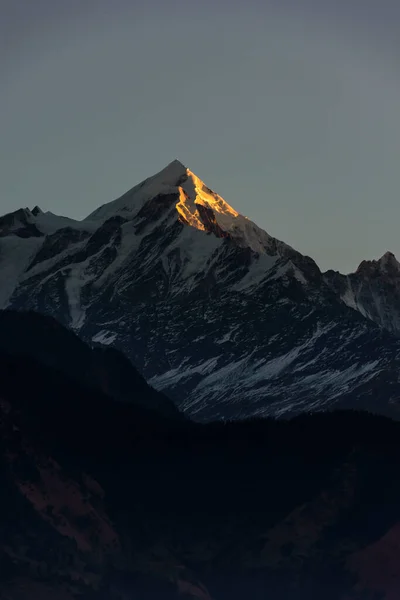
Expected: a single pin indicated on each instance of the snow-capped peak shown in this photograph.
(201, 207)
(196, 204)
(130, 203)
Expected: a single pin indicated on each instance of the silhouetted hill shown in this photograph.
(28, 334)
(103, 499)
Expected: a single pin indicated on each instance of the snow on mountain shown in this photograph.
(23, 234)
(130, 203)
(373, 290)
(211, 308)
(195, 204)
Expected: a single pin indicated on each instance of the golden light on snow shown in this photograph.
(193, 193)
(209, 198)
(186, 207)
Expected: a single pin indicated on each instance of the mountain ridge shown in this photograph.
(169, 176)
(207, 305)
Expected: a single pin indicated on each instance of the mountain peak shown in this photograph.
(171, 173)
(37, 211)
(388, 256)
(129, 204)
(389, 263)
(386, 264)
(195, 203)
(175, 164)
(16, 220)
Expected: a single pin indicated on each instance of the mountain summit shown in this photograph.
(373, 290)
(195, 203)
(208, 306)
(386, 264)
(132, 201)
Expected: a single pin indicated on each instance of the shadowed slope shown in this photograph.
(104, 499)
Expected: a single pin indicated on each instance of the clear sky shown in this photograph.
(287, 108)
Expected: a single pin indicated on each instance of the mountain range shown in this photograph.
(104, 498)
(225, 319)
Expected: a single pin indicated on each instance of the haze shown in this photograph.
(287, 109)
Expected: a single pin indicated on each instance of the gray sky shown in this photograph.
(287, 108)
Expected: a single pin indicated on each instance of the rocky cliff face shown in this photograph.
(373, 290)
(224, 318)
